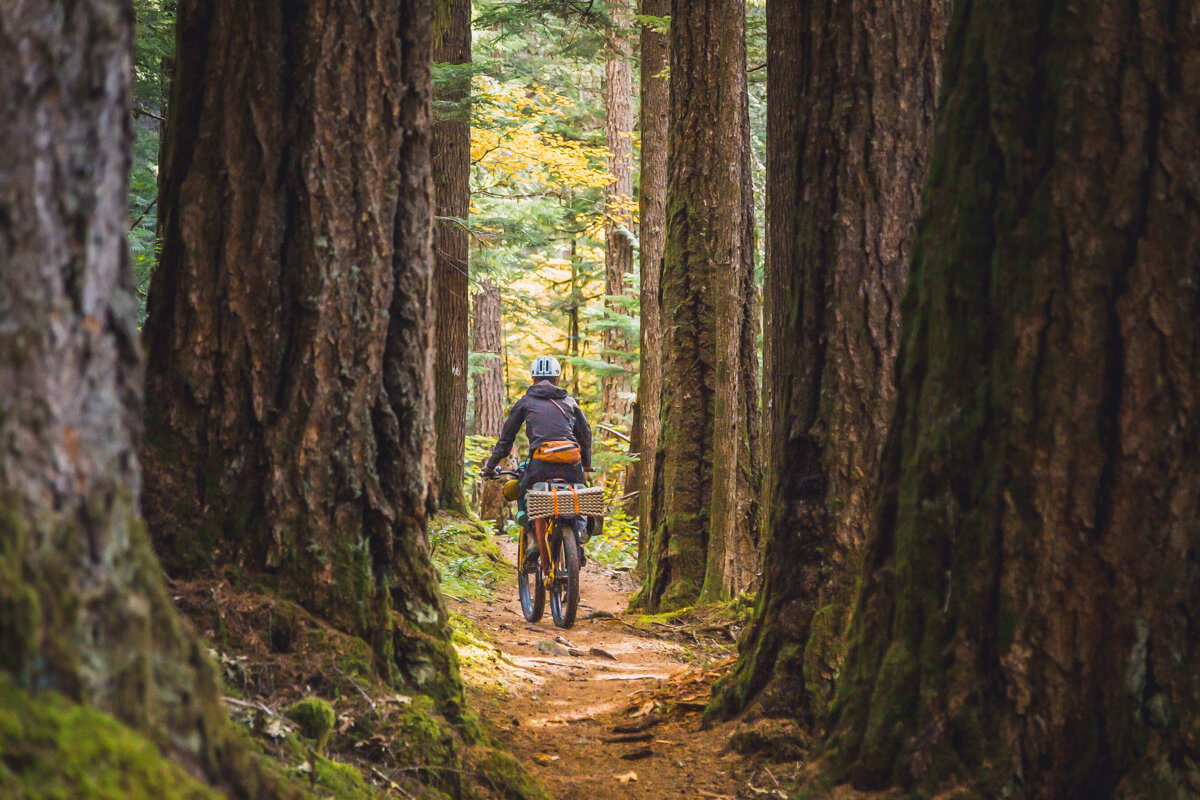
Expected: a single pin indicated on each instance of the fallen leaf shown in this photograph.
(645, 709)
(545, 759)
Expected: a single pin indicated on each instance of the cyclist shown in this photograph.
(560, 439)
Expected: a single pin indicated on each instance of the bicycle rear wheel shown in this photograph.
(530, 587)
(564, 594)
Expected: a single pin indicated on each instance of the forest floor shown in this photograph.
(610, 708)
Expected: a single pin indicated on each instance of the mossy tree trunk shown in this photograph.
(618, 198)
(704, 506)
(83, 608)
(452, 190)
(1026, 621)
(652, 205)
(290, 365)
(851, 99)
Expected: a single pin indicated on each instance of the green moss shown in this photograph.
(20, 610)
(732, 691)
(315, 718)
(53, 748)
(891, 705)
(429, 664)
(329, 779)
(735, 609)
(428, 742)
(822, 658)
(357, 658)
(644, 621)
(353, 584)
(341, 780)
(508, 778)
(467, 558)
(483, 665)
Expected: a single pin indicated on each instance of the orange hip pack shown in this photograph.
(558, 453)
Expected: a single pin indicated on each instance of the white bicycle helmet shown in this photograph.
(546, 367)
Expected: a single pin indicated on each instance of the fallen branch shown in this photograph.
(613, 431)
(391, 784)
(233, 701)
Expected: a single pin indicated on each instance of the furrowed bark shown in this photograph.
(851, 98)
(489, 387)
(83, 607)
(618, 196)
(489, 384)
(1026, 622)
(652, 195)
(290, 374)
(704, 510)
(452, 190)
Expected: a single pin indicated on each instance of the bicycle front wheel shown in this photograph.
(529, 584)
(564, 593)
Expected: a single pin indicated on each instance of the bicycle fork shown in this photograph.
(541, 528)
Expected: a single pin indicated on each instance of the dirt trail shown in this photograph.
(557, 711)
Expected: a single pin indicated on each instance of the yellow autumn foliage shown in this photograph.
(512, 143)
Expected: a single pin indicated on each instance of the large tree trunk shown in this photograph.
(848, 128)
(489, 386)
(652, 205)
(618, 198)
(289, 376)
(452, 190)
(1027, 620)
(83, 609)
(705, 505)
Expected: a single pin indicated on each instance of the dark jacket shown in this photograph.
(549, 415)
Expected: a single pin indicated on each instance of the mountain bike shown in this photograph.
(556, 571)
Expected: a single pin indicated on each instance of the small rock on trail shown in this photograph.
(552, 648)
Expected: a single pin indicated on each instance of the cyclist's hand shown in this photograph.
(487, 472)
